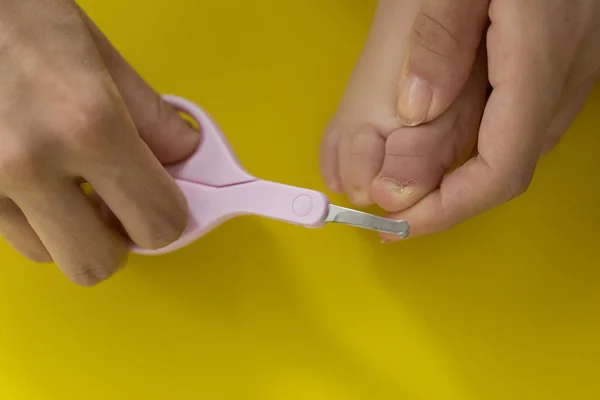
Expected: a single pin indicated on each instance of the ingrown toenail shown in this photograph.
(401, 189)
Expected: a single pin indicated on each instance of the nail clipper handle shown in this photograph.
(277, 201)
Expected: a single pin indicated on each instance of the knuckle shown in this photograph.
(366, 141)
(519, 186)
(434, 36)
(162, 218)
(93, 261)
(20, 165)
(166, 230)
(88, 275)
(516, 186)
(85, 126)
(503, 184)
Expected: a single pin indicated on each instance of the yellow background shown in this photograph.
(506, 306)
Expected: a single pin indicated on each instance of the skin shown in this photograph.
(72, 111)
(418, 131)
(418, 103)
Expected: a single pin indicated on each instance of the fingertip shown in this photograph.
(444, 43)
(179, 139)
(190, 140)
(388, 238)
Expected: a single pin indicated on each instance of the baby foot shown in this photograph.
(368, 152)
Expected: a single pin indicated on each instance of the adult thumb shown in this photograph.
(169, 136)
(445, 37)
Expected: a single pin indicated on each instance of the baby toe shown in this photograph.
(414, 164)
(328, 162)
(360, 159)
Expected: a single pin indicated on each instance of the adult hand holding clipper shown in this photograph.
(72, 110)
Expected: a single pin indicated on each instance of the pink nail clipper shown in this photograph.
(217, 188)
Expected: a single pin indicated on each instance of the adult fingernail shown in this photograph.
(414, 100)
(400, 190)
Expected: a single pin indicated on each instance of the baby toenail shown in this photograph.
(334, 186)
(402, 189)
(360, 197)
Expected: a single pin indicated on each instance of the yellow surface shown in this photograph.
(506, 306)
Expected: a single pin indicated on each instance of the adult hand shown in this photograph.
(372, 154)
(543, 57)
(72, 110)
(543, 60)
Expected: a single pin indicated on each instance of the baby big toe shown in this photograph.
(414, 164)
